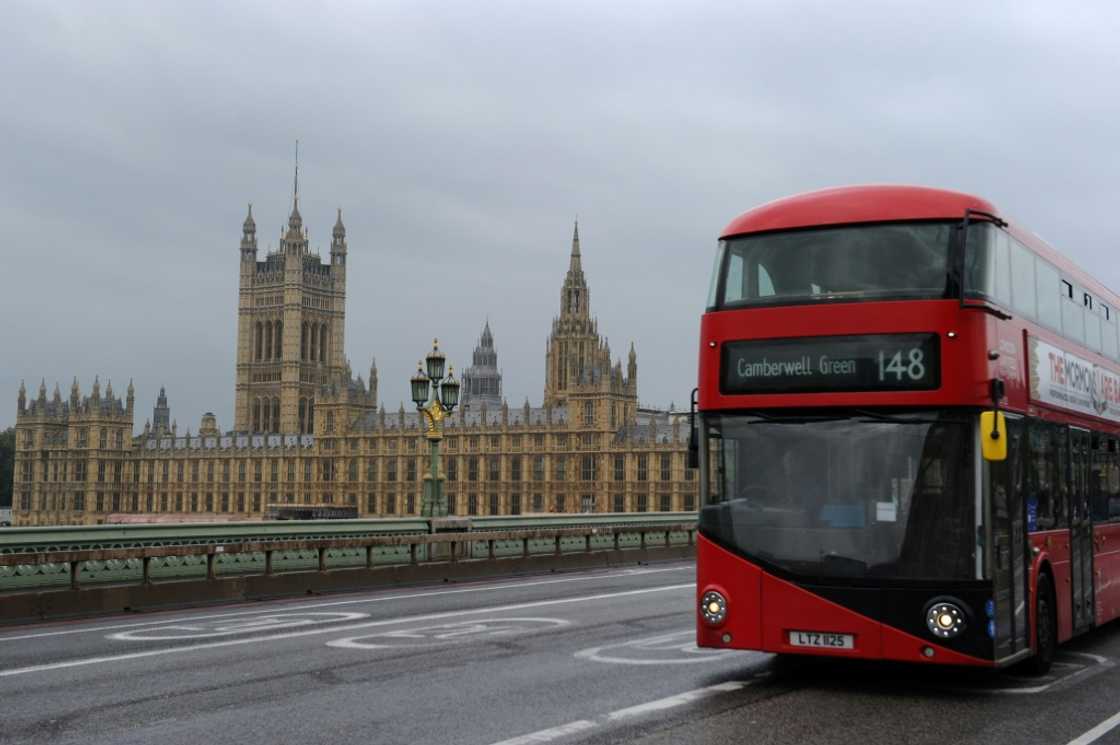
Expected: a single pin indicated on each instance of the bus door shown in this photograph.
(1009, 548)
(1080, 532)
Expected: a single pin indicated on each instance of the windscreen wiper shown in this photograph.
(875, 416)
(845, 561)
(770, 419)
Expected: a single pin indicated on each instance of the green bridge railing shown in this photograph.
(144, 553)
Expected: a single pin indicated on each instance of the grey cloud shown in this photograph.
(461, 139)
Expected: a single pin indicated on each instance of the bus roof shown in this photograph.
(886, 203)
(857, 204)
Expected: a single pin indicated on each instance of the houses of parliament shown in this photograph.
(309, 440)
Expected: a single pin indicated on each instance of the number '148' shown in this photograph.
(912, 366)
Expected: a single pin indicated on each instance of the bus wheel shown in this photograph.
(1046, 628)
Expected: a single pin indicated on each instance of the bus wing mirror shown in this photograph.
(993, 435)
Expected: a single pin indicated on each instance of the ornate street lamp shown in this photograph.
(435, 397)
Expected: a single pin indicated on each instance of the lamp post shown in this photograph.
(435, 397)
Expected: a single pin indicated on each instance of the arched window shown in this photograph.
(303, 341)
(303, 416)
(314, 342)
(268, 340)
(323, 343)
(279, 339)
(311, 415)
(259, 341)
(266, 415)
(276, 415)
(256, 415)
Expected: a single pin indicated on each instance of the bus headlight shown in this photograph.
(713, 608)
(945, 620)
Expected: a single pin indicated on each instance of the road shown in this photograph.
(590, 658)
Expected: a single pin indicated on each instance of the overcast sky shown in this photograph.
(461, 140)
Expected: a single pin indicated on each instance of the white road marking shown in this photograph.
(1099, 665)
(548, 735)
(458, 632)
(671, 702)
(334, 603)
(263, 622)
(81, 662)
(661, 704)
(677, 648)
(1097, 732)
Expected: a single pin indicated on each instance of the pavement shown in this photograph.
(604, 656)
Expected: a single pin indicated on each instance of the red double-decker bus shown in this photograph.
(907, 421)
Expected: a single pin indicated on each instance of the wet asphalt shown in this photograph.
(588, 657)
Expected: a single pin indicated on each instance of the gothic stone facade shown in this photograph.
(309, 436)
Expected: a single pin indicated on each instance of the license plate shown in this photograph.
(822, 639)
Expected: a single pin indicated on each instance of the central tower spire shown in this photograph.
(482, 381)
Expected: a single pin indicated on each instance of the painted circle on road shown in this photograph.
(675, 648)
(457, 632)
(233, 625)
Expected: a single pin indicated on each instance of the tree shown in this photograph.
(7, 465)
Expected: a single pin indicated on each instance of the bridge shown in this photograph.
(61, 572)
(503, 631)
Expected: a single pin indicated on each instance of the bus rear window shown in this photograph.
(855, 262)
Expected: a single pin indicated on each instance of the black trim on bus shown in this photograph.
(900, 604)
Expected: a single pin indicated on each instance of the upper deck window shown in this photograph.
(996, 261)
(849, 263)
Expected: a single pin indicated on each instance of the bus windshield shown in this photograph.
(852, 262)
(854, 496)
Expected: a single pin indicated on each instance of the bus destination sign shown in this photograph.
(881, 362)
